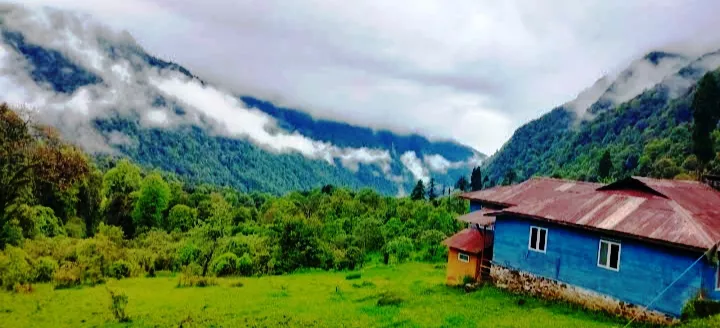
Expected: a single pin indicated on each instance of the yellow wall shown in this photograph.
(457, 269)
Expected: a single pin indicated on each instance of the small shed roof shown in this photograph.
(470, 240)
(482, 217)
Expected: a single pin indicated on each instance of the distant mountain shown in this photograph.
(103, 91)
(642, 117)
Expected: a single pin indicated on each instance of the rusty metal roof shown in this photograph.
(470, 240)
(533, 190)
(479, 217)
(677, 212)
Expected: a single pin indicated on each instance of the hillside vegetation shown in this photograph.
(651, 135)
(67, 222)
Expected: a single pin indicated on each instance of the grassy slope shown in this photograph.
(304, 299)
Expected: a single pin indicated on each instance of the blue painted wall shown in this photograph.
(475, 206)
(571, 257)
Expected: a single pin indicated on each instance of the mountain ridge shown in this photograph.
(103, 91)
(647, 134)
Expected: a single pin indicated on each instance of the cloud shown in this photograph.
(130, 88)
(473, 70)
(415, 166)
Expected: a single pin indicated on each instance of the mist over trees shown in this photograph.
(124, 220)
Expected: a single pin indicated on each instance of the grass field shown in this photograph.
(322, 299)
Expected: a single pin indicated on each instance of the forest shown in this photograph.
(72, 220)
(651, 135)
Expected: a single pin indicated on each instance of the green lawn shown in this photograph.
(323, 299)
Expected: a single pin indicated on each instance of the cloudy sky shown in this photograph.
(468, 70)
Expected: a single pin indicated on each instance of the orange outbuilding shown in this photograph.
(469, 255)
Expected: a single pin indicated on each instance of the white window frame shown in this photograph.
(609, 254)
(460, 257)
(535, 248)
(717, 278)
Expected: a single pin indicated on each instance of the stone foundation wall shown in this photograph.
(525, 283)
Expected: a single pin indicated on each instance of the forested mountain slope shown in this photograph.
(104, 92)
(643, 118)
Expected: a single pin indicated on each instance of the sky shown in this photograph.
(472, 70)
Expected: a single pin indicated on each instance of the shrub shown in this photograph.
(75, 228)
(353, 276)
(188, 253)
(389, 298)
(196, 281)
(181, 218)
(225, 264)
(355, 257)
(400, 248)
(119, 269)
(15, 268)
(45, 269)
(118, 303)
(237, 284)
(67, 276)
(468, 280)
(700, 308)
(245, 265)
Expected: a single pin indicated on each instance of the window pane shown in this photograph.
(603, 253)
(533, 238)
(614, 255)
(543, 235)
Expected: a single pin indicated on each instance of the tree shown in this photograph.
(476, 181)
(418, 193)
(153, 200)
(706, 111)
(510, 177)
(119, 185)
(462, 184)
(431, 190)
(181, 218)
(605, 166)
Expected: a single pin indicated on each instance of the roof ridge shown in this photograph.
(565, 180)
(690, 219)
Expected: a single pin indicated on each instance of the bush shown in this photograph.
(196, 281)
(67, 276)
(245, 265)
(353, 276)
(189, 253)
(400, 248)
(181, 218)
(75, 228)
(225, 264)
(389, 298)
(700, 308)
(15, 268)
(237, 284)
(119, 269)
(118, 303)
(45, 269)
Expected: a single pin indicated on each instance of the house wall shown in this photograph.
(457, 270)
(475, 206)
(571, 257)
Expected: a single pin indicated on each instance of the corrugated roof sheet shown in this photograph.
(678, 212)
(470, 240)
(479, 217)
(530, 191)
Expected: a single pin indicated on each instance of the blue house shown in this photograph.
(620, 247)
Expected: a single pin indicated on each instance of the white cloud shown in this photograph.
(415, 166)
(472, 70)
(236, 119)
